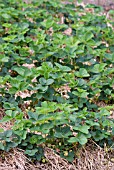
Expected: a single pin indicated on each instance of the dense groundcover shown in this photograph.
(56, 76)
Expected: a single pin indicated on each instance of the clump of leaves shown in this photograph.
(63, 59)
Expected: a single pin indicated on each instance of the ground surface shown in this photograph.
(90, 158)
(99, 2)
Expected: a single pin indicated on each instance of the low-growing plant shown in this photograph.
(56, 68)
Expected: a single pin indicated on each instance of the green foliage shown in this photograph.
(71, 74)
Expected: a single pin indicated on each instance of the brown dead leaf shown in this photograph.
(68, 31)
(50, 31)
(63, 90)
(24, 94)
(28, 65)
(89, 10)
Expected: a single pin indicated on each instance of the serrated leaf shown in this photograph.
(42, 81)
(88, 36)
(19, 70)
(82, 139)
(98, 68)
(1, 146)
(83, 129)
(8, 133)
(9, 113)
(49, 81)
(3, 58)
(82, 73)
(73, 140)
(31, 152)
(33, 115)
(63, 68)
(6, 16)
(5, 119)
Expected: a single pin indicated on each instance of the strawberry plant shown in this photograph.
(56, 67)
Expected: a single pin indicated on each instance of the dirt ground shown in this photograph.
(100, 2)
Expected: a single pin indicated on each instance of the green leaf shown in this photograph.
(9, 113)
(33, 139)
(5, 119)
(83, 129)
(33, 115)
(31, 152)
(21, 133)
(1, 130)
(1, 146)
(19, 70)
(13, 90)
(9, 38)
(109, 57)
(98, 68)
(23, 86)
(79, 1)
(63, 68)
(69, 157)
(73, 140)
(8, 133)
(15, 83)
(82, 139)
(6, 16)
(24, 25)
(82, 73)
(42, 81)
(84, 94)
(88, 36)
(49, 81)
(3, 59)
(80, 94)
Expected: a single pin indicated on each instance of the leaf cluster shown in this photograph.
(66, 76)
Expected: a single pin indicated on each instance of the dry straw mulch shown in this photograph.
(91, 157)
